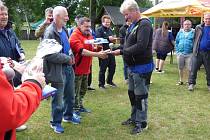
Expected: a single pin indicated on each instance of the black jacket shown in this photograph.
(138, 44)
(104, 32)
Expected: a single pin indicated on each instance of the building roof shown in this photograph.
(114, 12)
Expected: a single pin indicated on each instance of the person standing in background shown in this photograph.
(163, 43)
(201, 52)
(105, 31)
(39, 32)
(184, 49)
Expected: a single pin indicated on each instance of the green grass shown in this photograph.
(174, 112)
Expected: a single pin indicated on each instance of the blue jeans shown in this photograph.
(69, 93)
(63, 100)
(139, 85)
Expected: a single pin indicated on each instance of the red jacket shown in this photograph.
(82, 63)
(16, 106)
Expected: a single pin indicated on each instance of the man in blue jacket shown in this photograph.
(9, 43)
(201, 52)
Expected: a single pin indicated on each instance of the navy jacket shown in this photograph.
(9, 44)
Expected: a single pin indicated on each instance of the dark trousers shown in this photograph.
(103, 65)
(197, 61)
(90, 77)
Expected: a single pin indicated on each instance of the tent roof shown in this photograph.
(179, 8)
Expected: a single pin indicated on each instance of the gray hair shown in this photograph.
(82, 20)
(58, 10)
(48, 10)
(3, 7)
(129, 5)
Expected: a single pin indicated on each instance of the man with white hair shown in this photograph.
(201, 52)
(137, 54)
(59, 72)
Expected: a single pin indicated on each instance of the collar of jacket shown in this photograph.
(55, 29)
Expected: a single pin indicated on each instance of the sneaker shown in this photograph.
(180, 83)
(126, 81)
(160, 71)
(77, 112)
(136, 130)
(191, 87)
(21, 128)
(76, 116)
(209, 88)
(57, 128)
(112, 84)
(102, 87)
(128, 122)
(85, 110)
(144, 125)
(73, 120)
(90, 88)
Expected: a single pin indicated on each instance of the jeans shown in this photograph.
(139, 85)
(197, 61)
(69, 93)
(63, 100)
(103, 65)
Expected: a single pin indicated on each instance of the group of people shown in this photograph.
(68, 70)
(192, 49)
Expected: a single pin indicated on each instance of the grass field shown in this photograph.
(174, 112)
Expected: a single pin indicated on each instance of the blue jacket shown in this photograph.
(9, 44)
(184, 42)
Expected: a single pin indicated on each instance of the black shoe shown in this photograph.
(136, 130)
(144, 125)
(112, 84)
(102, 87)
(128, 122)
(90, 88)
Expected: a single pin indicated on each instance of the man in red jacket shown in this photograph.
(83, 52)
(17, 105)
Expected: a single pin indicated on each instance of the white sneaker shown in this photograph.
(209, 88)
(191, 87)
(21, 128)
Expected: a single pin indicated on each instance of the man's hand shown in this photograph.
(35, 71)
(102, 55)
(72, 60)
(111, 38)
(116, 52)
(7, 61)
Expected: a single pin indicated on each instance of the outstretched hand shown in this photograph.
(35, 71)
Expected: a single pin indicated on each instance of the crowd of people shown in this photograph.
(69, 69)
